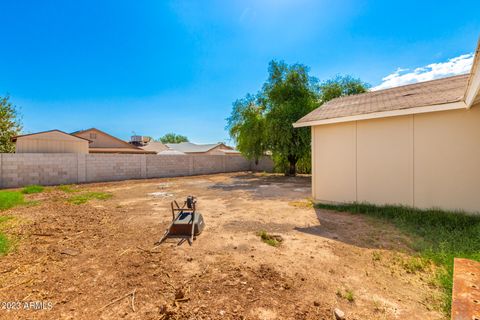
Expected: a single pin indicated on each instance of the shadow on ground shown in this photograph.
(268, 186)
(357, 230)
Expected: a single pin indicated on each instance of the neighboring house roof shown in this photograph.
(154, 146)
(457, 92)
(14, 139)
(122, 146)
(188, 147)
(170, 151)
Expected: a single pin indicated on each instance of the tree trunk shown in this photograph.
(255, 169)
(292, 170)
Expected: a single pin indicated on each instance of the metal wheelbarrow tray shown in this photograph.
(186, 223)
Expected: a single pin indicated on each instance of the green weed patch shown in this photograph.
(438, 236)
(32, 189)
(85, 197)
(10, 199)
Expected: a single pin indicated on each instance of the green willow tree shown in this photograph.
(264, 122)
(341, 86)
(173, 138)
(246, 126)
(10, 125)
(289, 94)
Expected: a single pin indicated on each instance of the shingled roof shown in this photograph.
(423, 94)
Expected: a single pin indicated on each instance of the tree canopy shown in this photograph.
(246, 126)
(264, 121)
(173, 138)
(289, 94)
(10, 125)
(341, 86)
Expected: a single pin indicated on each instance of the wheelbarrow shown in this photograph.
(186, 223)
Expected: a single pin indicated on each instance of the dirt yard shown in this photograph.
(87, 260)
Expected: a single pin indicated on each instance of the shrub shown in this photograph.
(272, 240)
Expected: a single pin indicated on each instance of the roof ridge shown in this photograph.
(14, 138)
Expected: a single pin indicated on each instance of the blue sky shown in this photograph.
(153, 67)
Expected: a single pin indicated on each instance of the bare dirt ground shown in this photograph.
(81, 258)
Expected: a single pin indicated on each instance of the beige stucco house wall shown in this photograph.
(416, 145)
(54, 141)
(423, 160)
(447, 159)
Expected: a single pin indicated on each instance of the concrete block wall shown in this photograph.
(237, 163)
(38, 168)
(21, 169)
(111, 167)
(205, 164)
(264, 164)
(169, 165)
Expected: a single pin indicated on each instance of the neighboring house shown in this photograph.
(416, 145)
(146, 143)
(102, 142)
(205, 149)
(154, 146)
(53, 141)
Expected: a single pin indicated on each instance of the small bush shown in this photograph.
(347, 295)
(272, 240)
(32, 189)
(85, 197)
(9, 199)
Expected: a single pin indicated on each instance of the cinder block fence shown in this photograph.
(21, 169)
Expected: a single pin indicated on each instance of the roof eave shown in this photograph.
(472, 93)
(120, 150)
(385, 114)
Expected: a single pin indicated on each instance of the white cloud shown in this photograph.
(454, 66)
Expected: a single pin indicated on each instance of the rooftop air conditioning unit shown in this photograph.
(139, 140)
